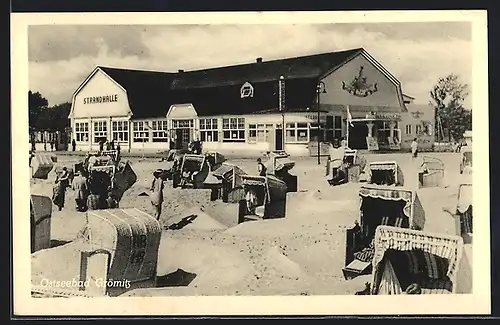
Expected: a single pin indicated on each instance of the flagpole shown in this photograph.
(348, 120)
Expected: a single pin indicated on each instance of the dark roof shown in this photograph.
(148, 92)
(216, 91)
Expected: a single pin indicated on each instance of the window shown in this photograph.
(120, 131)
(408, 129)
(209, 130)
(259, 132)
(100, 131)
(297, 132)
(160, 131)
(82, 131)
(182, 124)
(233, 129)
(418, 129)
(338, 127)
(141, 131)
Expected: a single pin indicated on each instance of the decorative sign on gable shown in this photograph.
(416, 114)
(246, 90)
(359, 86)
(101, 99)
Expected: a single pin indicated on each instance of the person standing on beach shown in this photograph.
(157, 192)
(261, 168)
(414, 148)
(80, 187)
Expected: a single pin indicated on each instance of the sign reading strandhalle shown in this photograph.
(101, 99)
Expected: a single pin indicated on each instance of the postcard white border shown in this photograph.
(476, 303)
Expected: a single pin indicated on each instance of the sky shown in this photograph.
(418, 54)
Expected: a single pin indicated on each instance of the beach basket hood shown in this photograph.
(132, 238)
(443, 254)
(413, 208)
(392, 166)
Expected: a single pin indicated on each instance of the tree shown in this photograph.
(55, 117)
(36, 105)
(447, 97)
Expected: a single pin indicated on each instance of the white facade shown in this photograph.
(101, 110)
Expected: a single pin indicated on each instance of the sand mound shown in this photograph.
(215, 266)
(196, 218)
(278, 263)
(225, 213)
(59, 263)
(320, 256)
(175, 201)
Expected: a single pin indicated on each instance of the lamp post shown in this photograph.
(320, 88)
(282, 109)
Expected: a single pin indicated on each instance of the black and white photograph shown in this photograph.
(178, 158)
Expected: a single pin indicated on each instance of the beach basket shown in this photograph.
(216, 159)
(111, 153)
(379, 205)
(404, 256)
(40, 220)
(131, 237)
(124, 177)
(41, 166)
(271, 193)
(385, 173)
(466, 160)
(198, 166)
(432, 172)
(463, 213)
(231, 182)
(279, 164)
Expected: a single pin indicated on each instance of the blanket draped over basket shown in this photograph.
(431, 260)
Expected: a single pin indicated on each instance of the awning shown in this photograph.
(229, 173)
(464, 197)
(413, 207)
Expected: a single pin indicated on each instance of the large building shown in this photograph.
(243, 108)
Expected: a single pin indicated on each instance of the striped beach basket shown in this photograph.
(131, 237)
(41, 213)
(41, 166)
(405, 257)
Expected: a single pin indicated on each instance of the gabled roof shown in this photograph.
(148, 92)
(216, 91)
(304, 67)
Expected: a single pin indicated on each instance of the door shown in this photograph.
(279, 139)
(178, 139)
(357, 136)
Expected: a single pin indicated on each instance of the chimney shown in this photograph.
(180, 70)
(259, 60)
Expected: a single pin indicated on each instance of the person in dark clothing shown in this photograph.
(73, 144)
(118, 150)
(113, 144)
(261, 168)
(101, 145)
(111, 202)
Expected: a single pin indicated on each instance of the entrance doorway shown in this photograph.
(278, 139)
(182, 138)
(357, 136)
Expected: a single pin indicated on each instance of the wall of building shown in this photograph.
(387, 93)
(418, 123)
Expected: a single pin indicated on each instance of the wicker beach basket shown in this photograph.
(132, 238)
(436, 247)
(41, 213)
(432, 173)
(41, 166)
(377, 172)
